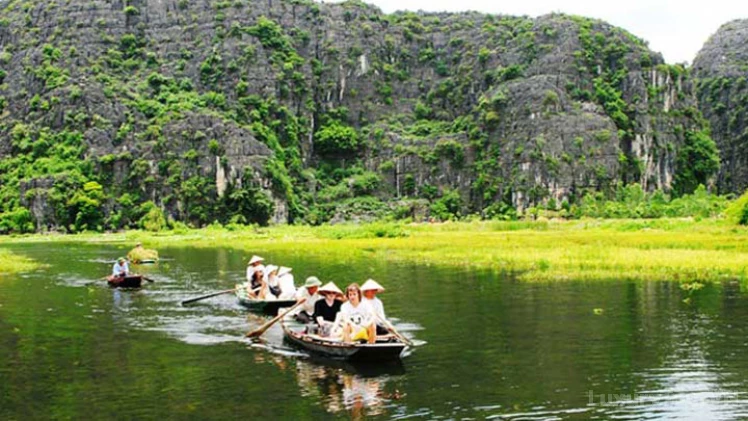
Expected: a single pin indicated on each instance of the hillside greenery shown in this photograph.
(109, 139)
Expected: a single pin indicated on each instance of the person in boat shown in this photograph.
(271, 280)
(286, 284)
(326, 310)
(120, 268)
(254, 265)
(370, 289)
(139, 254)
(355, 318)
(256, 287)
(310, 292)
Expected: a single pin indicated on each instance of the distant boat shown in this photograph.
(261, 306)
(389, 348)
(129, 281)
(145, 261)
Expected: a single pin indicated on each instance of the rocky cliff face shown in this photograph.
(721, 68)
(279, 110)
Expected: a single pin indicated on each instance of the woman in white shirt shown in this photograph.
(355, 317)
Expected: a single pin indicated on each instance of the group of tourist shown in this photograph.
(357, 315)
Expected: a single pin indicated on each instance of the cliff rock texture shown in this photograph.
(721, 68)
(287, 110)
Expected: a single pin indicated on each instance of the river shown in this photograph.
(486, 347)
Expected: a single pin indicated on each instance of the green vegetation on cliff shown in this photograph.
(146, 114)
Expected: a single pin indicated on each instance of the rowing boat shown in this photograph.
(386, 348)
(129, 281)
(261, 306)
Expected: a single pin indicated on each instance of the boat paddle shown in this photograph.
(394, 331)
(259, 331)
(147, 278)
(192, 300)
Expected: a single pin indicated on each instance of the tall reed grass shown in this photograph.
(664, 249)
(14, 263)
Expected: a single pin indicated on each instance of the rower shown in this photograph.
(370, 289)
(120, 268)
(309, 292)
(140, 254)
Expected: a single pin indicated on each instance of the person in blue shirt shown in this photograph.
(120, 268)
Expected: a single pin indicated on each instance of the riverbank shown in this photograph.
(14, 263)
(664, 249)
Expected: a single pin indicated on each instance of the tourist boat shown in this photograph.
(129, 281)
(386, 348)
(260, 306)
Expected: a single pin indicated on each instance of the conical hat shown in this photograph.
(371, 284)
(255, 259)
(270, 269)
(331, 287)
(312, 281)
(283, 270)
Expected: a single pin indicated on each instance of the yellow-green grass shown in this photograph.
(13, 263)
(668, 249)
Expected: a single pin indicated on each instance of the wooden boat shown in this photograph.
(386, 349)
(129, 281)
(261, 306)
(145, 261)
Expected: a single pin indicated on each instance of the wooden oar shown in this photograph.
(192, 300)
(147, 279)
(257, 332)
(394, 331)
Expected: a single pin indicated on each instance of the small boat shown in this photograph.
(129, 281)
(388, 348)
(261, 306)
(145, 261)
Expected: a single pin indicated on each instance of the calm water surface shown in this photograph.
(486, 347)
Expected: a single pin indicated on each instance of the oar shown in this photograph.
(394, 331)
(257, 332)
(147, 278)
(192, 300)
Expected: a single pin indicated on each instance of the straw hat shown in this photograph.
(255, 259)
(331, 287)
(270, 269)
(121, 259)
(312, 281)
(371, 284)
(283, 270)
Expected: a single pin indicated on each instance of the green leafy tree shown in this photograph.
(697, 161)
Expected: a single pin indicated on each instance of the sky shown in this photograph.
(676, 28)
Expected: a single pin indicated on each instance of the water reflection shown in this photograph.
(343, 386)
(360, 390)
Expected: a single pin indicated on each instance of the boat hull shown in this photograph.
(131, 281)
(265, 306)
(355, 352)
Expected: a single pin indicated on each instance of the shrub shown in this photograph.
(19, 220)
(737, 212)
(448, 206)
(154, 219)
(336, 139)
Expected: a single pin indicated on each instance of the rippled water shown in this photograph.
(486, 347)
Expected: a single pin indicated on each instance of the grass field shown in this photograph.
(662, 249)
